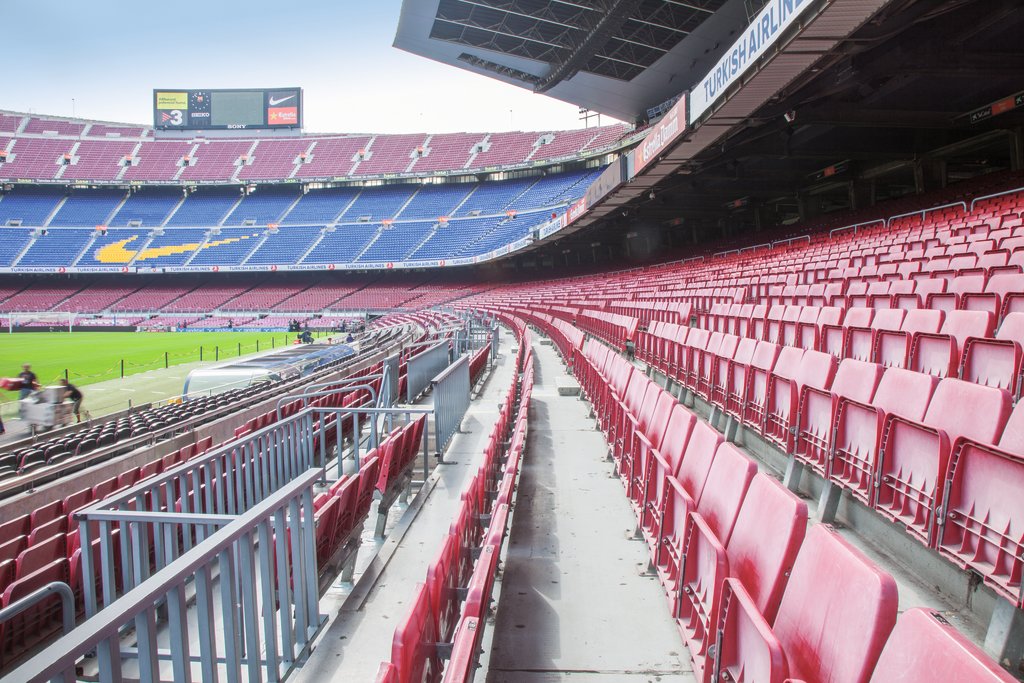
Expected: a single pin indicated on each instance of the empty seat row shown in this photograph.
(755, 594)
(451, 606)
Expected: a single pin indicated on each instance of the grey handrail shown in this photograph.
(235, 550)
(923, 212)
(994, 195)
(67, 603)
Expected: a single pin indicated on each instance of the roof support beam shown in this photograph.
(521, 37)
(609, 25)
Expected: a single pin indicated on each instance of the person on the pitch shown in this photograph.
(29, 382)
(75, 395)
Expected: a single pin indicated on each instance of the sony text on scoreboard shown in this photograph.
(234, 109)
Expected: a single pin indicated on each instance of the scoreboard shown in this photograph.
(237, 109)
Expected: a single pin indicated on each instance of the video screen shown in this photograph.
(236, 108)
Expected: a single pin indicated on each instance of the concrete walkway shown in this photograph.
(363, 619)
(573, 603)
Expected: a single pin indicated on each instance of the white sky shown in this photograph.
(108, 56)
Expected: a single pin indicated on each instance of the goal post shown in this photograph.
(56, 321)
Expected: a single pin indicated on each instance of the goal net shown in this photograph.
(61, 321)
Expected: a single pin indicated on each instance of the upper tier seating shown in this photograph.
(100, 152)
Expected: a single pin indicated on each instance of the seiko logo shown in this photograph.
(661, 135)
(199, 114)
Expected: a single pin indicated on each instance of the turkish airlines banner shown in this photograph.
(763, 32)
(664, 133)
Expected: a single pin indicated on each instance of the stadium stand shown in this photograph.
(100, 152)
(789, 298)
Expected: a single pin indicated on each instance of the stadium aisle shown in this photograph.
(573, 601)
(359, 636)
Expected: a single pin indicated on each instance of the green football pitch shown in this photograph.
(90, 357)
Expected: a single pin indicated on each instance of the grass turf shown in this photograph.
(96, 356)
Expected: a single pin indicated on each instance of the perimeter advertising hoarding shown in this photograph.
(609, 180)
(662, 134)
(575, 210)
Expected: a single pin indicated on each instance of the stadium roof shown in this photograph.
(616, 57)
(859, 106)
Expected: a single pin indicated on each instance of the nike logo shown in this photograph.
(274, 103)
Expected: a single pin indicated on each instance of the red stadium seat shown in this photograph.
(833, 337)
(665, 463)
(478, 594)
(718, 501)
(892, 348)
(859, 341)
(858, 427)
(414, 649)
(835, 616)
(37, 556)
(939, 354)
(923, 645)
(39, 622)
(1000, 288)
(913, 455)
(854, 380)
(762, 360)
(462, 665)
(747, 648)
(815, 371)
(762, 365)
(713, 520)
(681, 491)
(724, 367)
(980, 525)
(648, 439)
(996, 362)
(443, 585)
(11, 548)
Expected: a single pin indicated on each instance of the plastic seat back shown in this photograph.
(1012, 438)
(768, 532)
(697, 460)
(413, 650)
(923, 645)
(837, 611)
(724, 489)
(916, 455)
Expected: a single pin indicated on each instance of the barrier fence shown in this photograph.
(392, 371)
(423, 367)
(198, 495)
(450, 391)
(254, 585)
(233, 526)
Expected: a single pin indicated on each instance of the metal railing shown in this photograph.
(58, 588)
(855, 227)
(199, 494)
(993, 196)
(254, 587)
(391, 377)
(450, 390)
(421, 368)
(923, 212)
(356, 414)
